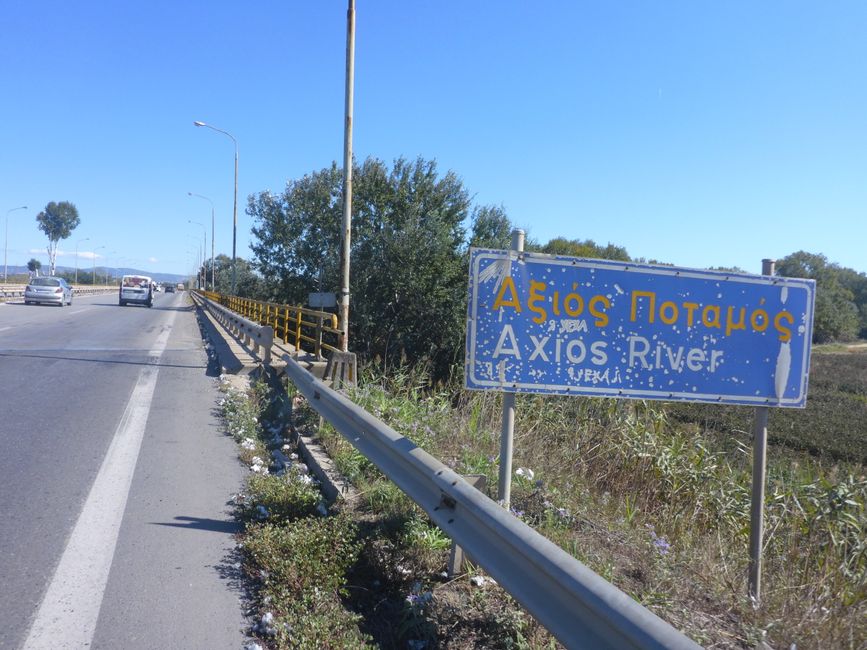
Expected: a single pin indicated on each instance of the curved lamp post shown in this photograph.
(213, 258)
(235, 204)
(76, 256)
(6, 245)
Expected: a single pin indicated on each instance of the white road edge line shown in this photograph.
(70, 608)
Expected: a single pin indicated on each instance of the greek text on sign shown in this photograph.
(570, 326)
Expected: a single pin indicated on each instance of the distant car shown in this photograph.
(48, 290)
(136, 290)
(170, 288)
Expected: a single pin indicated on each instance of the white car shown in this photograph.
(48, 290)
(136, 290)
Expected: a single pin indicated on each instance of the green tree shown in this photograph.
(408, 265)
(491, 228)
(248, 285)
(57, 220)
(34, 265)
(586, 248)
(297, 235)
(857, 284)
(836, 314)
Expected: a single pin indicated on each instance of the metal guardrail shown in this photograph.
(259, 337)
(577, 606)
(309, 330)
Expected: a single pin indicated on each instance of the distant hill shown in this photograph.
(102, 270)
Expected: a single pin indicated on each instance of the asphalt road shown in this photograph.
(114, 478)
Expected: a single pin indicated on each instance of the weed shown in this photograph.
(278, 498)
(419, 531)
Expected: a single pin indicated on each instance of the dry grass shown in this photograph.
(659, 505)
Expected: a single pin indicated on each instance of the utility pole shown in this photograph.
(347, 178)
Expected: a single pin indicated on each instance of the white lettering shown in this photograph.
(512, 350)
(635, 353)
(540, 348)
(573, 344)
(600, 357)
(664, 357)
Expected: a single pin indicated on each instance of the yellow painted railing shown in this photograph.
(306, 329)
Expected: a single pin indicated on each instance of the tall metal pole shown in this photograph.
(347, 178)
(6, 245)
(213, 255)
(235, 224)
(507, 435)
(234, 204)
(757, 505)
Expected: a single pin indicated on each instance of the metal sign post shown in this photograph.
(757, 506)
(507, 435)
(559, 325)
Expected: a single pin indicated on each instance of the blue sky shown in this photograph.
(695, 133)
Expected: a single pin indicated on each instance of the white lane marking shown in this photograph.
(3, 329)
(69, 611)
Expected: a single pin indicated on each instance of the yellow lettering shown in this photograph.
(634, 308)
(785, 332)
(509, 284)
(671, 317)
(690, 310)
(577, 300)
(713, 321)
(731, 324)
(535, 297)
(601, 316)
(754, 318)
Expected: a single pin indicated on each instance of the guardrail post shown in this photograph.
(317, 349)
(286, 313)
(457, 556)
(298, 331)
(267, 336)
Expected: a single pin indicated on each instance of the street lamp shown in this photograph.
(76, 256)
(213, 258)
(6, 245)
(93, 271)
(235, 204)
(204, 251)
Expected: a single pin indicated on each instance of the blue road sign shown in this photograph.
(572, 326)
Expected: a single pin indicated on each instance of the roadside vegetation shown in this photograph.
(653, 497)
